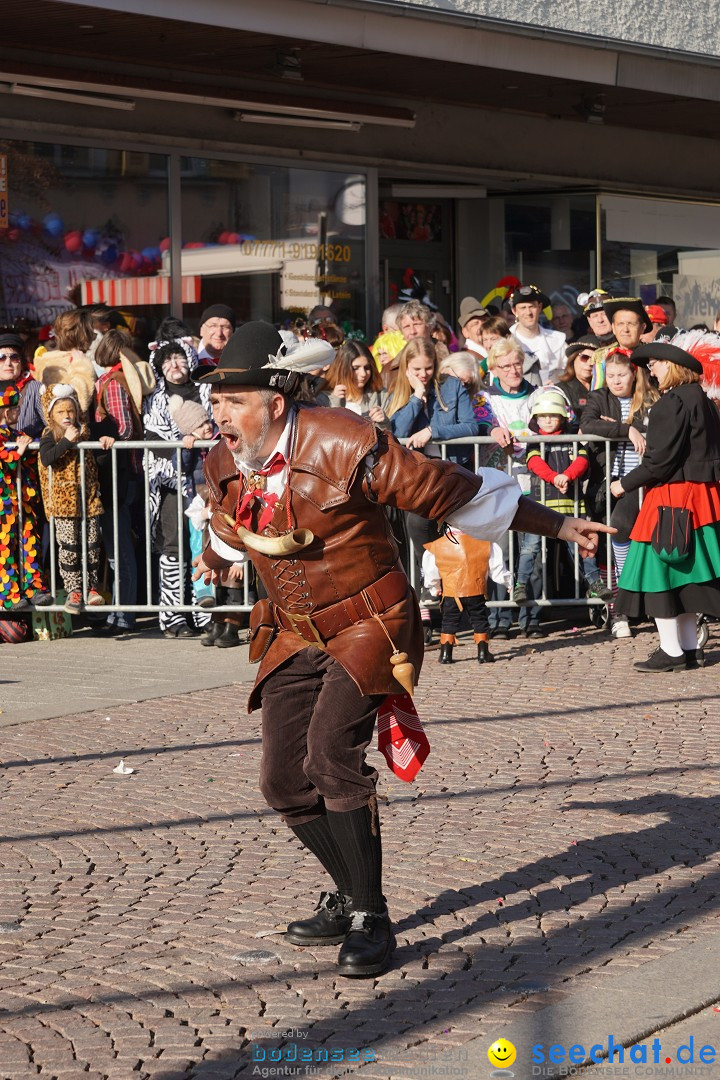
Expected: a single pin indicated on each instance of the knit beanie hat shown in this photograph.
(188, 415)
(218, 311)
(11, 341)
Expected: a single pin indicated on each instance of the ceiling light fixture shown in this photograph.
(437, 191)
(45, 93)
(322, 122)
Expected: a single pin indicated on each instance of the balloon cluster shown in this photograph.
(88, 244)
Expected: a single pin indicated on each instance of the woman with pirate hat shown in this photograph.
(672, 571)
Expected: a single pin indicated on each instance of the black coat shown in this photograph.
(683, 441)
(577, 395)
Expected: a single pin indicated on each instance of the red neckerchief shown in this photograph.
(243, 512)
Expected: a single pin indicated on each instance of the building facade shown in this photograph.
(159, 155)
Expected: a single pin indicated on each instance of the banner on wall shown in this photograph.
(35, 285)
(697, 299)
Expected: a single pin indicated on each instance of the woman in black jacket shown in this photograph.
(576, 380)
(673, 565)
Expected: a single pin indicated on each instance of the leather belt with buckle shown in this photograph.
(322, 625)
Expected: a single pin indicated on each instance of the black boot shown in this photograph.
(694, 658)
(213, 632)
(445, 655)
(484, 654)
(660, 661)
(369, 945)
(229, 637)
(328, 927)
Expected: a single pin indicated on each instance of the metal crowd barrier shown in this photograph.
(150, 607)
(543, 601)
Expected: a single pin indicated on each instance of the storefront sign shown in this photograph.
(4, 211)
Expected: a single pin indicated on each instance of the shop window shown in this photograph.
(274, 242)
(550, 242)
(654, 247)
(84, 225)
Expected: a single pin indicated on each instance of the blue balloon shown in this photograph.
(109, 255)
(23, 221)
(90, 238)
(54, 224)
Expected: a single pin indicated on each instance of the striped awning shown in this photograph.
(138, 291)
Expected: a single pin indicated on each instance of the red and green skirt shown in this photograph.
(651, 586)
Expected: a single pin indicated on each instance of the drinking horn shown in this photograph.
(286, 544)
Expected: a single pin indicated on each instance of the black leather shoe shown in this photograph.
(484, 654)
(213, 632)
(694, 658)
(500, 633)
(368, 947)
(532, 630)
(229, 637)
(427, 633)
(445, 655)
(660, 661)
(328, 927)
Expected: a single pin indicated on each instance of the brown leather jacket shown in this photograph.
(343, 470)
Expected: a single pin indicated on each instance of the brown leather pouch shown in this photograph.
(262, 630)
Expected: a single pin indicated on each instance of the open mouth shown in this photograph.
(231, 439)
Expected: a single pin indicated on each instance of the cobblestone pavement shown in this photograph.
(563, 828)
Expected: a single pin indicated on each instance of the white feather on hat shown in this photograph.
(305, 356)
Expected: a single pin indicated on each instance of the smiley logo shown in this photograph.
(502, 1053)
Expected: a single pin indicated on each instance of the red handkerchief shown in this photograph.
(401, 738)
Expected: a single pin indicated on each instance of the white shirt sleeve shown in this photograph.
(490, 512)
(224, 550)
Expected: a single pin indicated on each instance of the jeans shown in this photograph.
(529, 614)
(127, 584)
(530, 547)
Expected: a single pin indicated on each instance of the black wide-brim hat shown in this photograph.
(587, 341)
(245, 359)
(627, 303)
(663, 350)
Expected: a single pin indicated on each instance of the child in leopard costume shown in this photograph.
(63, 495)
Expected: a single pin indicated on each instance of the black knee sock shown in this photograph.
(317, 837)
(357, 833)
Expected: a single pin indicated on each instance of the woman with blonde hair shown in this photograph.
(420, 410)
(672, 571)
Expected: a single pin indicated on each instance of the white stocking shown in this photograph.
(669, 636)
(687, 631)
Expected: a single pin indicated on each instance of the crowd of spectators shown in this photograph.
(519, 374)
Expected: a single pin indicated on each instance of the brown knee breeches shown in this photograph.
(316, 726)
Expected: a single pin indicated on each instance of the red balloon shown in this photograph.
(14, 234)
(193, 245)
(225, 237)
(74, 241)
(164, 245)
(126, 264)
